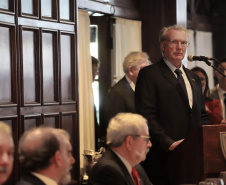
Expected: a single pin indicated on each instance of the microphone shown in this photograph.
(200, 58)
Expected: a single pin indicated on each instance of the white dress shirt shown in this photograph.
(186, 81)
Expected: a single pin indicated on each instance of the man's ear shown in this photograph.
(57, 158)
(130, 69)
(162, 46)
(129, 142)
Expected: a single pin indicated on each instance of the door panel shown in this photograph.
(38, 74)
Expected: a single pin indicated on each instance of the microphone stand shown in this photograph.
(210, 64)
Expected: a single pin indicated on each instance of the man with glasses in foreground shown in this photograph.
(170, 97)
(129, 142)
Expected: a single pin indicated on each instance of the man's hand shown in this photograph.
(223, 121)
(175, 144)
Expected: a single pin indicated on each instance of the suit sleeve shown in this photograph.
(146, 105)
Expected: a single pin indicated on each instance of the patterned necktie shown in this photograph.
(135, 176)
(181, 81)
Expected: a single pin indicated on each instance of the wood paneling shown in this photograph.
(38, 70)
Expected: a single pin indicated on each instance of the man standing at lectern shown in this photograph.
(170, 97)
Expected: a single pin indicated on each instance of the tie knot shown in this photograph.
(178, 72)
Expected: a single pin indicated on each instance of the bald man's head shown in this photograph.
(36, 147)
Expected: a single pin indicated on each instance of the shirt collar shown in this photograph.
(172, 67)
(125, 162)
(45, 179)
(132, 85)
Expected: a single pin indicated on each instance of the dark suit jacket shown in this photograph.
(120, 99)
(161, 100)
(29, 179)
(110, 170)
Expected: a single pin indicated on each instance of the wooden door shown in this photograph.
(38, 73)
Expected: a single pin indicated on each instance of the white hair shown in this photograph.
(123, 125)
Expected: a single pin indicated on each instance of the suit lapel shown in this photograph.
(123, 167)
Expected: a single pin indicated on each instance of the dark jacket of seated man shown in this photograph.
(127, 148)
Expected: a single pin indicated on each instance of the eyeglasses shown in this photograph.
(176, 42)
(147, 138)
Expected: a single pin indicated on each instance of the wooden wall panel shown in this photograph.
(65, 9)
(30, 66)
(4, 4)
(30, 121)
(67, 67)
(46, 8)
(8, 83)
(52, 120)
(49, 67)
(5, 70)
(27, 6)
(36, 36)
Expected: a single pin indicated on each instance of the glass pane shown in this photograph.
(27, 6)
(5, 69)
(29, 66)
(4, 4)
(66, 87)
(47, 8)
(65, 9)
(48, 67)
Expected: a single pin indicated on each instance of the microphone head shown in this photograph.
(190, 58)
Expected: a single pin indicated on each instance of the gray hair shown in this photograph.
(132, 59)
(164, 30)
(123, 125)
(5, 129)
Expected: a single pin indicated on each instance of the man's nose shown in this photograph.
(149, 144)
(72, 159)
(4, 158)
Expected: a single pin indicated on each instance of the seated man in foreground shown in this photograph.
(45, 156)
(6, 152)
(128, 141)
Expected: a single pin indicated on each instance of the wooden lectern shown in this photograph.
(199, 156)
